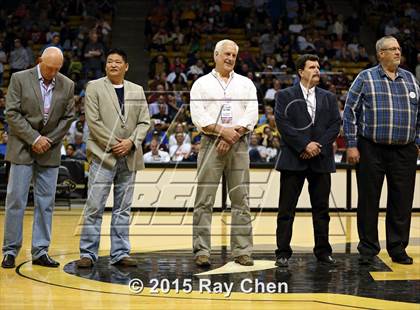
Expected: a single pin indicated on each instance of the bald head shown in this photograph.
(51, 62)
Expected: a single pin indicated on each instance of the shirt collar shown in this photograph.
(306, 91)
(40, 78)
(217, 74)
(382, 72)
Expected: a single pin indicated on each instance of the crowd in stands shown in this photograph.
(400, 20)
(81, 29)
(180, 37)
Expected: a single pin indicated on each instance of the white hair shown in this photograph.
(381, 42)
(219, 46)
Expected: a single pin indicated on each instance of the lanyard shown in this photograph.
(221, 85)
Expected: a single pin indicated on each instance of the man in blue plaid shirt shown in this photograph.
(382, 130)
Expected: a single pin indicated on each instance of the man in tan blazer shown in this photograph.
(39, 111)
(118, 120)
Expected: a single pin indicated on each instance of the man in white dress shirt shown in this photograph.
(155, 155)
(224, 108)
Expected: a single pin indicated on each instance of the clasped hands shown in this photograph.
(122, 147)
(42, 145)
(229, 136)
(311, 150)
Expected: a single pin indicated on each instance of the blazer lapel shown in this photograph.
(318, 98)
(37, 89)
(113, 96)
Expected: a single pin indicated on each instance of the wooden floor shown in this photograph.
(162, 242)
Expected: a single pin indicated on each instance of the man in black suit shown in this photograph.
(309, 122)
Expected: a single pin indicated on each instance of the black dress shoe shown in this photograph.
(282, 262)
(8, 261)
(403, 259)
(46, 261)
(365, 259)
(327, 259)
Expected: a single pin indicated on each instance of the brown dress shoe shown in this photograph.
(84, 262)
(126, 262)
(244, 260)
(202, 261)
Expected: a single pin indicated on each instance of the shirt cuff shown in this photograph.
(36, 140)
(246, 124)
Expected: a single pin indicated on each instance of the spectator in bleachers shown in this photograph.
(30, 52)
(154, 107)
(177, 62)
(93, 52)
(181, 149)
(257, 152)
(160, 39)
(179, 128)
(195, 149)
(55, 42)
(162, 114)
(362, 54)
(196, 70)
(338, 27)
(18, 58)
(154, 95)
(173, 105)
(161, 79)
(3, 144)
(296, 26)
(267, 136)
(69, 152)
(268, 43)
(176, 38)
(271, 122)
(103, 28)
(155, 155)
(273, 149)
(3, 61)
(2, 109)
(36, 35)
(177, 76)
(268, 110)
(75, 65)
(271, 92)
(158, 65)
(157, 133)
(80, 145)
(79, 126)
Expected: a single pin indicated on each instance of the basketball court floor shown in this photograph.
(167, 278)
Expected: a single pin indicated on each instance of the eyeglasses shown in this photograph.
(392, 49)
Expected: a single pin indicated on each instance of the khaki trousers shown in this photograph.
(210, 165)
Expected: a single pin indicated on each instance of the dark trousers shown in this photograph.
(398, 164)
(291, 183)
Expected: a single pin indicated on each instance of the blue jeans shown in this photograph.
(100, 181)
(44, 184)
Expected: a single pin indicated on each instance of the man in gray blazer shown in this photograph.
(118, 120)
(39, 111)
